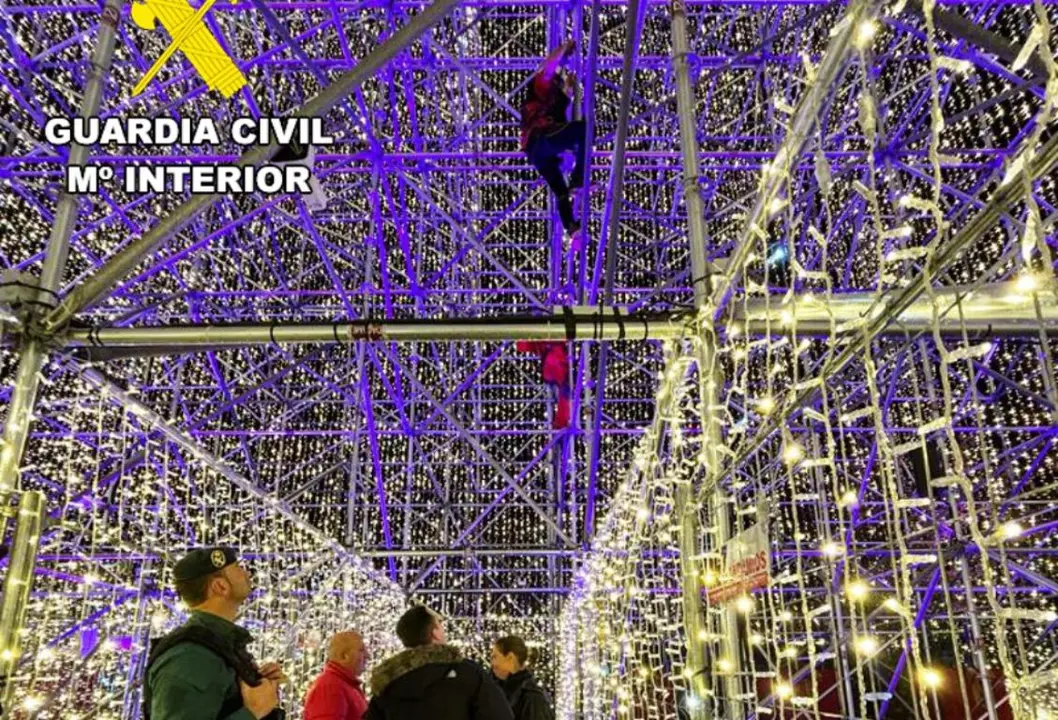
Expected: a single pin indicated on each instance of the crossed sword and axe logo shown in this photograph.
(189, 33)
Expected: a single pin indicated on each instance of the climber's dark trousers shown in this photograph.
(544, 153)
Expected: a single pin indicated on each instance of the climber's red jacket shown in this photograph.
(554, 359)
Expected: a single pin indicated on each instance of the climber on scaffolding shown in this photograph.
(547, 134)
(554, 361)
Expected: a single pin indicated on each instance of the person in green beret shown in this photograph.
(203, 670)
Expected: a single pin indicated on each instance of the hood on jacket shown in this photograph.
(520, 683)
(409, 660)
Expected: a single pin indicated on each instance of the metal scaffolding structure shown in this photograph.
(823, 214)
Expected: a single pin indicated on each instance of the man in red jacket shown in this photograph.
(337, 693)
(554, 368)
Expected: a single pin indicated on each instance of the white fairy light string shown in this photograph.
(616, 654)
(95, 604)
(898, 577)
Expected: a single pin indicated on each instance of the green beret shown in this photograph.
(203, 561)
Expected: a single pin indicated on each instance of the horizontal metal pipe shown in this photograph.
(995, 311)
(1001, 309)
(576, 325)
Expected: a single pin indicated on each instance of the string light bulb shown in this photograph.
(930, 678)
(865, 33)
(793, 453)
(1011, 530)
(893, 605)
(866, 645)
(1027, 282)
(858, 590)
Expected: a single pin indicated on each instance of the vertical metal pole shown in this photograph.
(610, 236)
(701, 272)
(354, 483)
(354, 461)
(578, 38)
(27, 379)
(689, 148)
(837, 620)
(409, 490)
(66, 216)
(690, 582)
(975, 629)
(17, 584)
(978, 643)
(587, 89)
(610, 233)
(16, 425)
(730, 649)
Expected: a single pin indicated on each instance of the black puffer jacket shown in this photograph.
(434, 682)
(527, 698)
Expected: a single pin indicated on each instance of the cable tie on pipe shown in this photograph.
(570, 322)
(272, 334)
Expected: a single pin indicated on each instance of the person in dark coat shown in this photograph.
(203, 670)
(527, 699)
(431, 680)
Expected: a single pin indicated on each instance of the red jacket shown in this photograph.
(554, 356)
(336, 695)
(544, 111)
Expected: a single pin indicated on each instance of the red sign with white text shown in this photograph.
(747, 565)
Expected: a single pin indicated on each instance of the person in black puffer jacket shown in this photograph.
(431, 680)
(527, 699)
